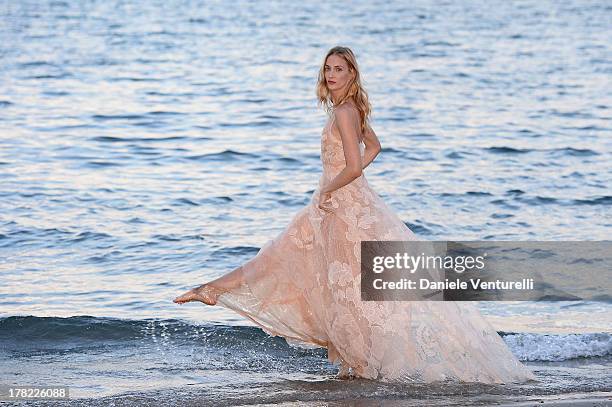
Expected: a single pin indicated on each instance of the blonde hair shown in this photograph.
(355, 89)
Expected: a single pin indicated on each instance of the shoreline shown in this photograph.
(595, 399)
(580, 401)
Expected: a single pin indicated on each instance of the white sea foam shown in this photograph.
(542, 347)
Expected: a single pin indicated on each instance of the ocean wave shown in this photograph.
(558, 347)
(53, 332)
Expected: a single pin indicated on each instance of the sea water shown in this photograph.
(149, 147)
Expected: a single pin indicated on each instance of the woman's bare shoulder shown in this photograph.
(347, 108)
(347, 112)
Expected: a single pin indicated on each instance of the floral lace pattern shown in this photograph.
(304, 285)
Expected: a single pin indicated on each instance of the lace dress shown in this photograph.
(304, 285)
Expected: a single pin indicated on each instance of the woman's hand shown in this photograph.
(325, 200)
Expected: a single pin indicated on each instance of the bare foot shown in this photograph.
(344, 372)
(204, 293)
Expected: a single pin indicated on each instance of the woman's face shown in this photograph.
(337, 75)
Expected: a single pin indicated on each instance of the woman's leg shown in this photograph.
(229, 281)
(209, 292)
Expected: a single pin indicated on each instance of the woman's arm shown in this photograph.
(348, 123)
(372, 146)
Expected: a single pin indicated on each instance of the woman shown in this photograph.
(304, 284)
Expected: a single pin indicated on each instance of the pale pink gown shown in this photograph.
(304, 285)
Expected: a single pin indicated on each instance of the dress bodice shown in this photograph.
(332, 152)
